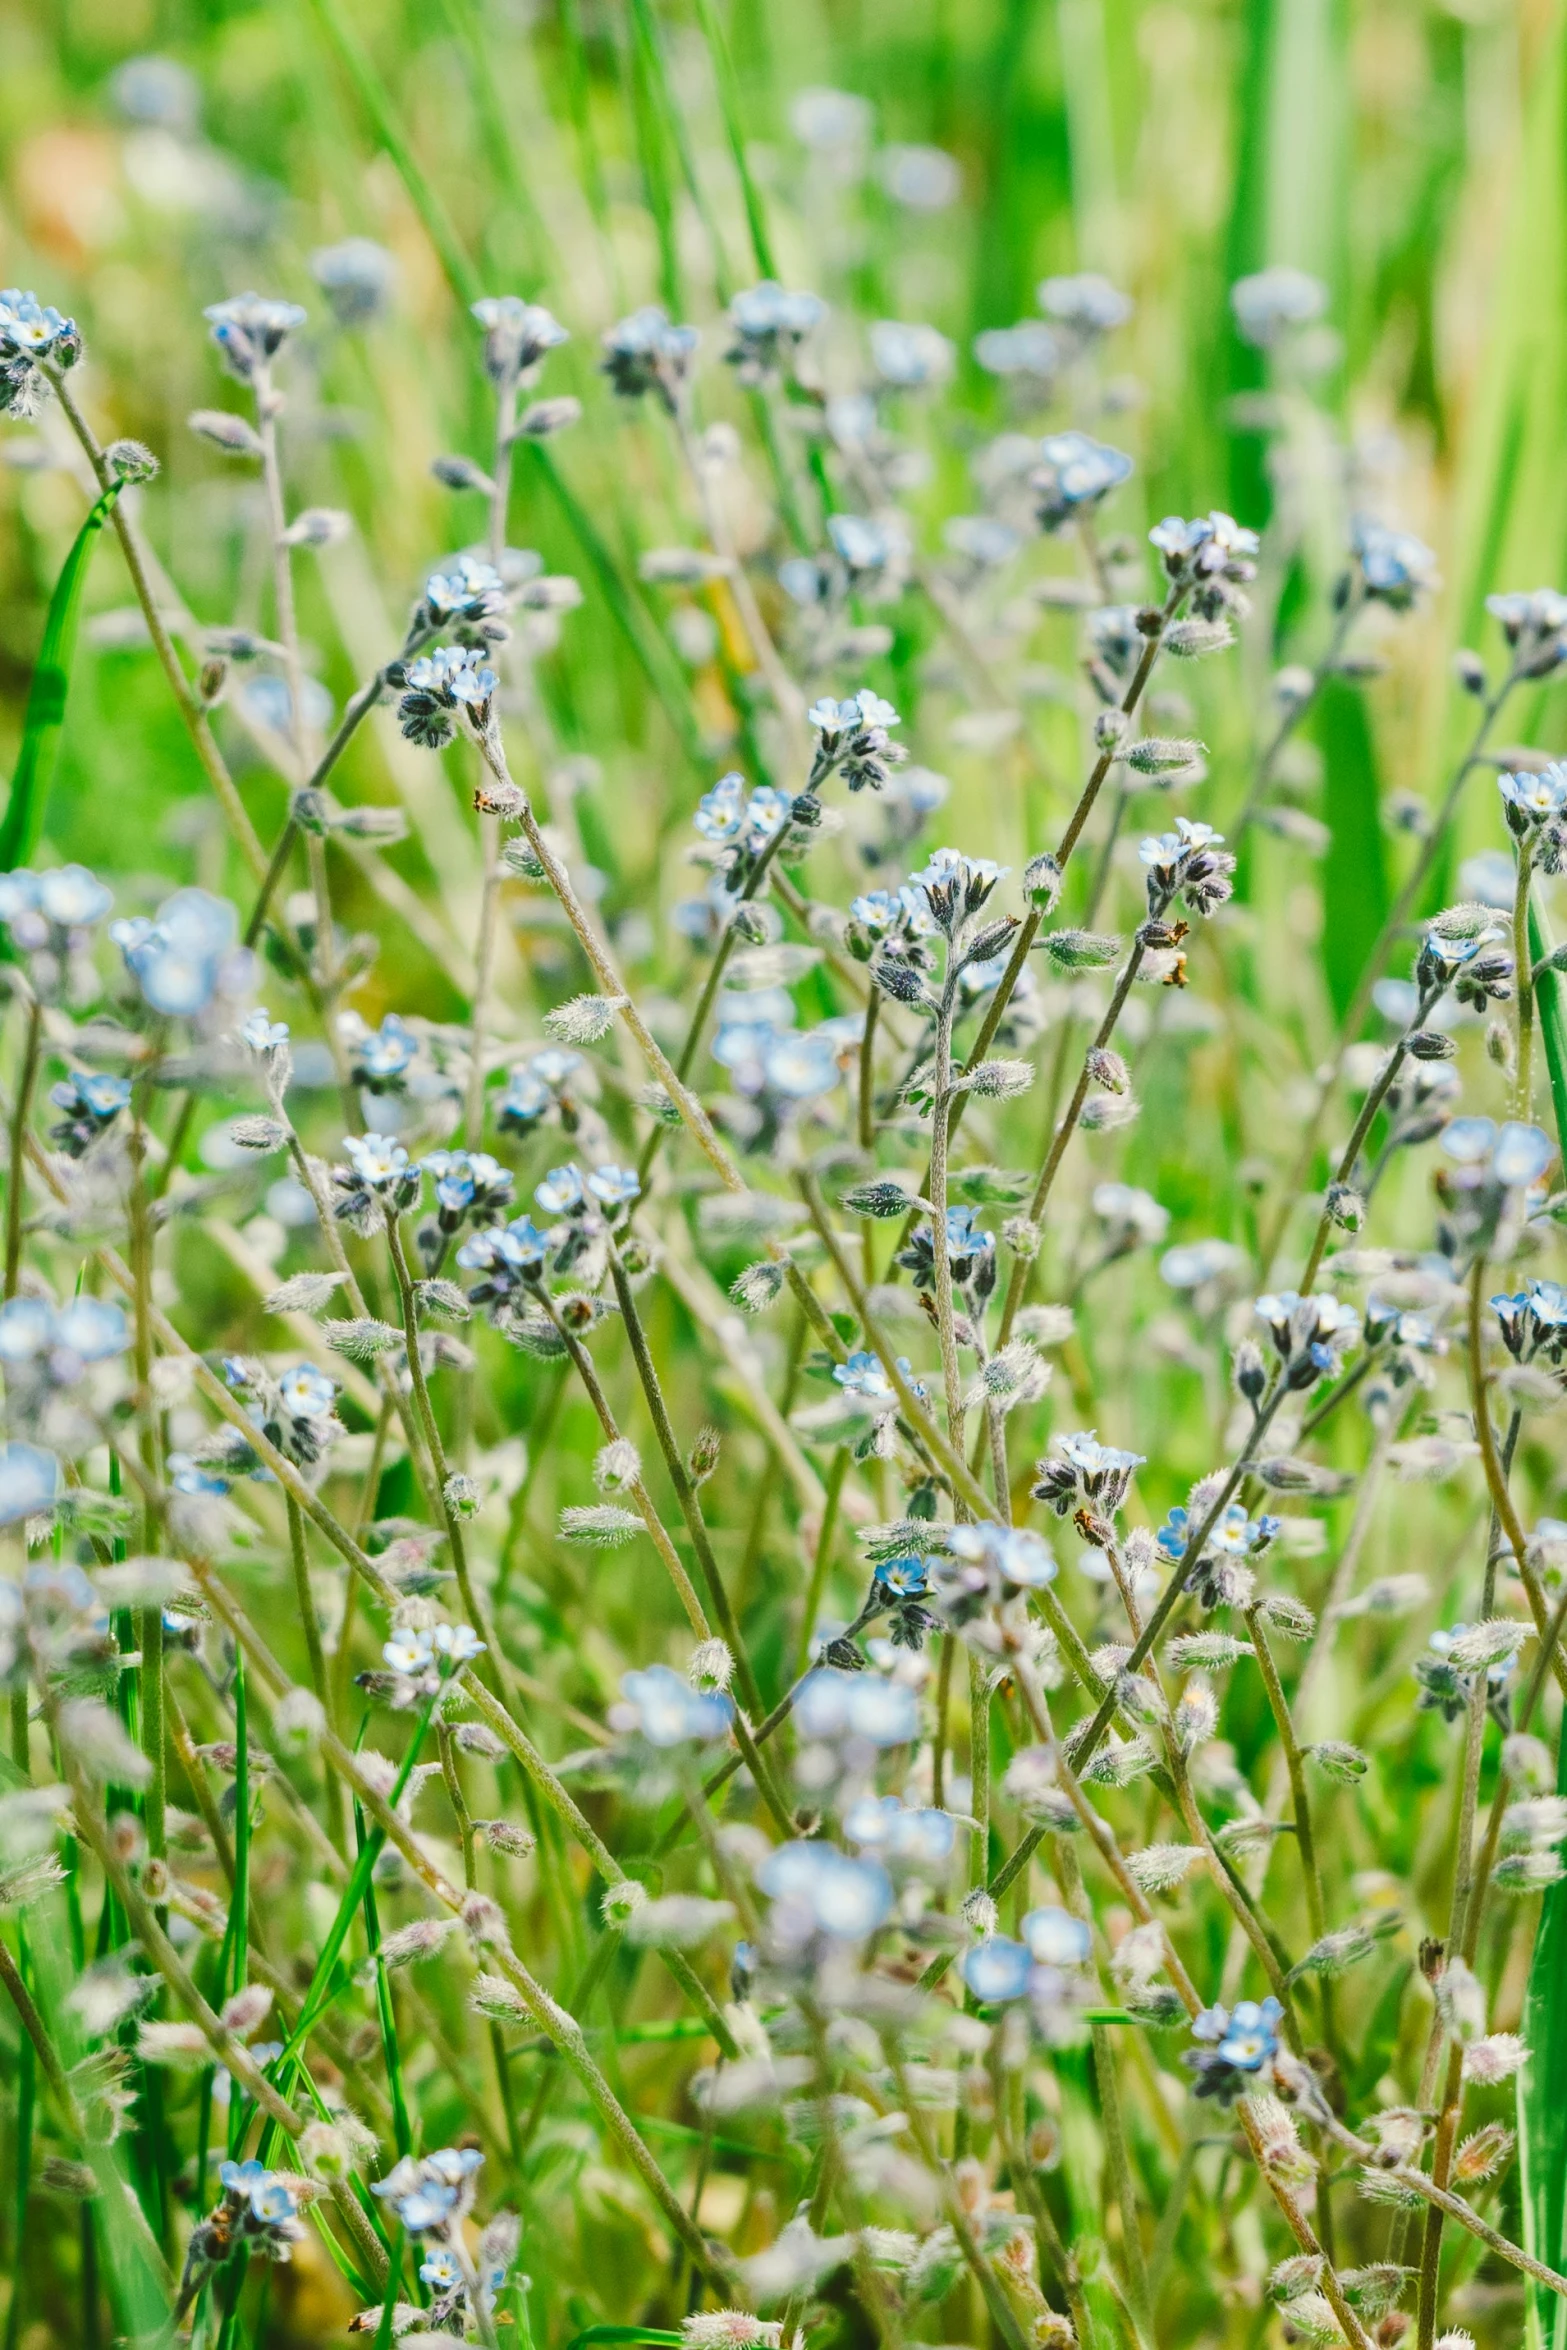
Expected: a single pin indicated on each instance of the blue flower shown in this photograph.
(470, 592)
(1074, 475)
(250, 329)
(560, 1194)
(30, 329)
(356, 276)
(1056, 1938)
(816, 1889)
(1514, 1155)
(645, 353)
(1534, 798)
(902, 1578)
(1395, 568)
(1086, 304)
(1028, 349)
(379, 1160)
(186, 954)
(997, 1970)
(1274, 303)
(1238, 2046)
(910, 357)
(517, 334)
(831, 1704)
(29, 1481)
(669, 1712)
(614, 1187)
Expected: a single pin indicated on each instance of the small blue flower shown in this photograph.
(1237, 2047)
(646, 353)
(614, 1187)
(1395, 568)
(1075, 474)
(250, 329)
(910, 358)
(1087, 304)
(818, 1890)
(903, 1578)
(669, 1712)
(997, 1970)
(560, 1194)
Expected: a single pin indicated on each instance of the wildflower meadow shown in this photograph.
(783, 1068)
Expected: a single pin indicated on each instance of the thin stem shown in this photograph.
(1295, 1764)
(1017, 1279)
(21, 1111)
(190, 709)
(1523, 985)
(310, 1624)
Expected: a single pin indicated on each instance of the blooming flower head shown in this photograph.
(250, 330)
(438, 687)
(1534, 798)
(816, 1890)
(186, 954)
(1028, 351)
(769, 326)
(1087, 305)
(1236, 2047)
(646, 353)
(1275, 303)
(517, 334)
(1395, 568)
(1213, 557)
(866, 547)
(614, 1187)
(1080, 1471)
(379, 1160)
(357, 277)
(1535, 625)
(306, 1392)
(32, 333)
(864, 1375)
(560, 1194)
(956, 887)
(469, 592)
(910, 358)
(1191, 863)
(1074, 475)
(669, 1712)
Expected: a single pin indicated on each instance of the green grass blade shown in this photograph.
(26, 2098)
(1354, 874)
(439, 226)
(1553, 1023)
(729, 105)
(390, 2048)
(1542, 2100)
(23, 823)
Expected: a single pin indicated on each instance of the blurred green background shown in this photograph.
(1411, 154)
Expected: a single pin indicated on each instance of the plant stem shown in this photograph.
(21, 1111)
(310, 1624)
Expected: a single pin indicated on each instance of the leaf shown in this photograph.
(23, 823)
(1354, 874)
(1553, 1023)
(1542, 2105)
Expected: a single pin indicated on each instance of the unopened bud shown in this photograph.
(704, 1454)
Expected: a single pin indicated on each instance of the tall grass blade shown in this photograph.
(21, 828)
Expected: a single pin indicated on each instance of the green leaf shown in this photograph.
(23, 823)
(1354, 872)
(1542, 2107)
(1553, 1022)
